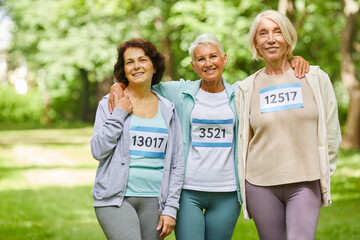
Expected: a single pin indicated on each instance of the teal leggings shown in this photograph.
(206, 215)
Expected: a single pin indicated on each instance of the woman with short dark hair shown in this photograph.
(140, 151)
(150, 50)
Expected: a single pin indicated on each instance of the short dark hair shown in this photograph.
(157, 59)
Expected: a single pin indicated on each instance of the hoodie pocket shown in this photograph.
(112, 183)
(100, 187)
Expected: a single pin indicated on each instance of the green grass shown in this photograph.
(46, 177)
(48, 213)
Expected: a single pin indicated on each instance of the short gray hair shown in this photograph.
(205, 38)
(286, 27)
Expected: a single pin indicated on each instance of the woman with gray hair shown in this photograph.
(289, 136)
(210, 200)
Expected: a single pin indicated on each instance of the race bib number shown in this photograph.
(148, 141)
(212, 133)
(281, 97)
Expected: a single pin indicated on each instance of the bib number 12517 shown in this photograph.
(281, 97)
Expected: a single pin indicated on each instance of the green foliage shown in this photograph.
(316, 41)
(17, 108)
(65, 104)
(59, 38)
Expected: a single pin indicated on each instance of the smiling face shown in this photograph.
(208, 62)
(269, 41)
(138, 67)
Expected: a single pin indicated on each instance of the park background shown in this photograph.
(56, 62)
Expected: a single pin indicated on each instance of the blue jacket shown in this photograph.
(110, 146)
(183, 93)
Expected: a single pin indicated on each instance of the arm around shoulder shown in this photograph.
(169, 90)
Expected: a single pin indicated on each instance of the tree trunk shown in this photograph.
(165, 30)
(46, 101)
(348, 75)
(169, 58)
(86, 95)
(287, 7)
(103, 87)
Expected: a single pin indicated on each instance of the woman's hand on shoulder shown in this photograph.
(167, 224)
(124, 103)
(300, 66)
(117, 88)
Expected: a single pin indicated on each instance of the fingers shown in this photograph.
(111, 104)
(299, 69)
(300, 66)
(115, 88)
(159, 224)
(166, 230)
(167, 223)
(304, 68)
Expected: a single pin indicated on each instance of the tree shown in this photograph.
(287, 7)
(348, 73)
(70, 45)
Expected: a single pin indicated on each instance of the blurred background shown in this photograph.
(56, 63)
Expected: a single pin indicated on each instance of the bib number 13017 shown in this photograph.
(281, 97)
(148, 141)
(154, 142)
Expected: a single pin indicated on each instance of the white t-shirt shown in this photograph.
(210, 166)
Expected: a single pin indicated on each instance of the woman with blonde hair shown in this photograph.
(288, 138)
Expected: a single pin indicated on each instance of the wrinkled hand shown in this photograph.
(300, 66)
(167, 224)
(124, 103)
(119, 89)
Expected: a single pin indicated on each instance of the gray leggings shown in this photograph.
(289, 211)
(136, 219)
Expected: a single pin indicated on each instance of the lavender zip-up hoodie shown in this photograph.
(110, 146)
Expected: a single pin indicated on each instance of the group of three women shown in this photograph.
(193, 152)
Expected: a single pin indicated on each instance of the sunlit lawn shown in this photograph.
(46, 178)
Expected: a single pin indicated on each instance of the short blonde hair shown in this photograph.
(286, 27)
(205, 38)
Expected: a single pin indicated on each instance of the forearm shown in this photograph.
(177, 169)
(333, 131)
(107, 130)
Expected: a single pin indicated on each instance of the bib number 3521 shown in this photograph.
(212, 132)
